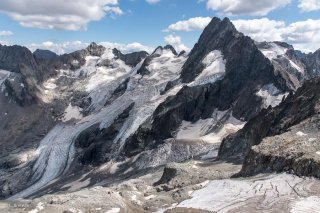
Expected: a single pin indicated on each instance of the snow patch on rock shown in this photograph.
(271, 95)
(72, 112)
(301, 134)
(214, 69)
(210, 130)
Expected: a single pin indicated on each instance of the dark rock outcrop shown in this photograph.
(273, 121)
(95, 50)
(95, 145)
(312, 62)
(130, 59)
(21, 61)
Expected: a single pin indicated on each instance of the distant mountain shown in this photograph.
(44, 54)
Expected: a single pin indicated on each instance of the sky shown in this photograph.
(132, 25)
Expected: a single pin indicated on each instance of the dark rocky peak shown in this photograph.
(182, 53)
(244, 61)
(12, 58)
(21, 61)
(171, 48)
(96, 50)
(312, 63)
(131, 59)
(157, 51)
(44, 54)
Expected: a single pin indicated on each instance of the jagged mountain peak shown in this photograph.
(159, 50)
(131, 59)
(170, 47)
(95, 49)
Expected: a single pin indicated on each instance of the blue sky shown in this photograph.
(26, 22)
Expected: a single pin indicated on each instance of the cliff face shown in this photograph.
(284, 138)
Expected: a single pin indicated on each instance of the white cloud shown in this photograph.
(70, 46)
(260, 29)
(152, 1)
(5, 33)
(176, 42)
(309, 5)
(303, 35)
(246, 7)
(196, 23)
(58, 14)
(128, 48)
(113, 11)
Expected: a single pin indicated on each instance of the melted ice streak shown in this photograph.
(271, 95)
(56, 150)
(272, 193)
(214, 69)
(211, 130)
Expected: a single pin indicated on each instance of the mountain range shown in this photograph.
(139, 132)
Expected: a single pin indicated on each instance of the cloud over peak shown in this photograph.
(58, 14)
(192, 24)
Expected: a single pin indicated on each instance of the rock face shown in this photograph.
(312, 62)
(22, 86)
(284, 138)
(296, 151)
(294, 66)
